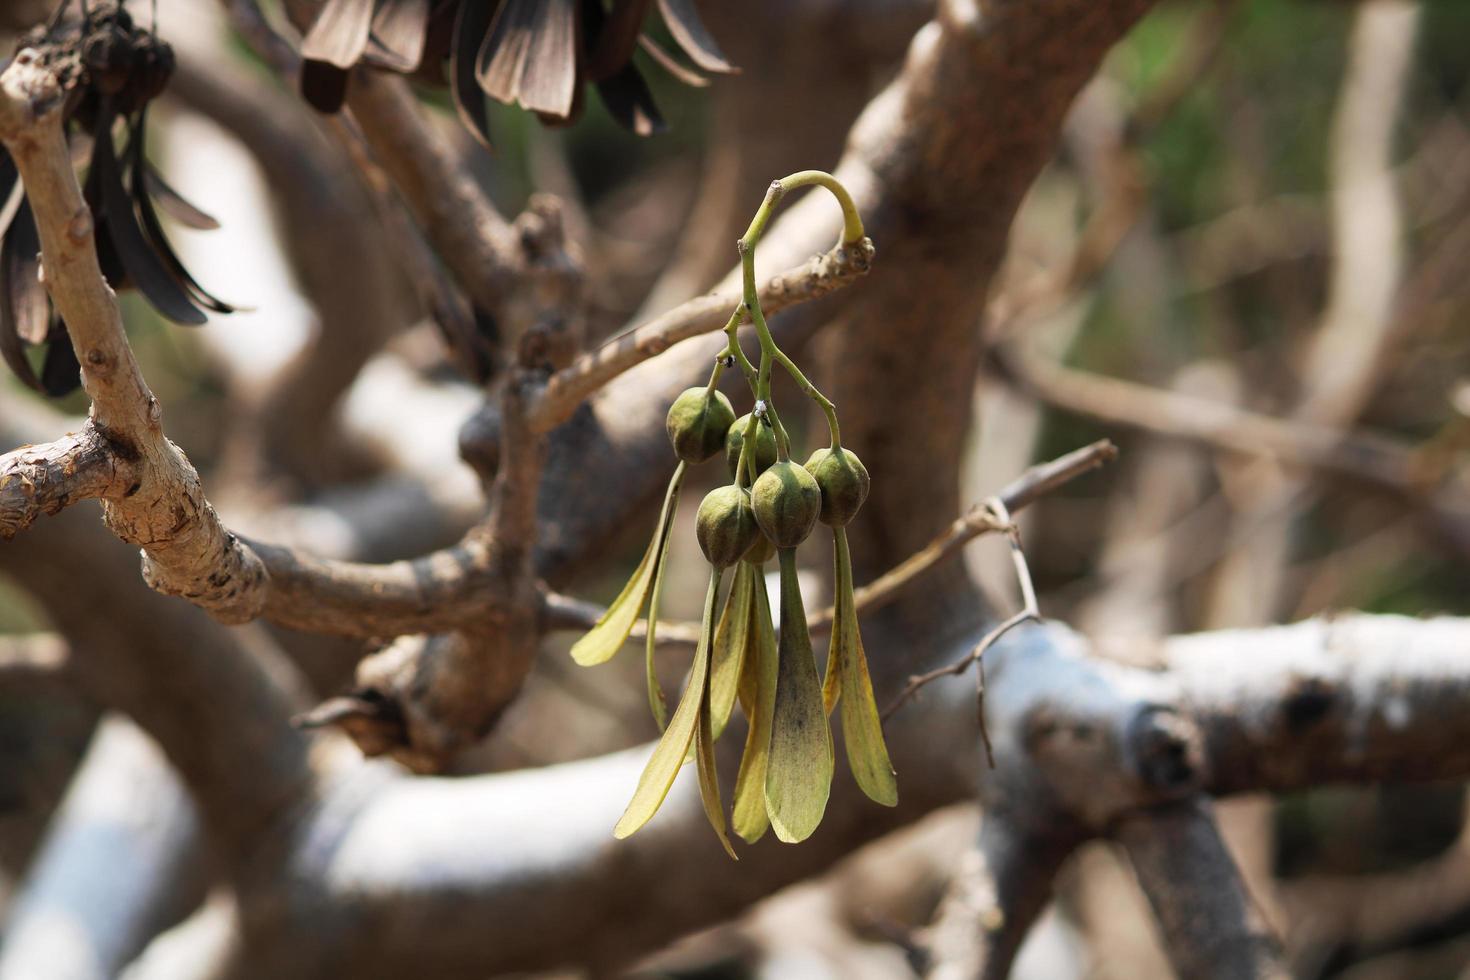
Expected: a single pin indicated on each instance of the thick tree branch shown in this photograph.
(217, 701)
(998, 891)
(1211, 927)
(120, 857)
(1353, 698)
(519, 871)
(187, 551)
(938, 194)
(37, 481)
(494, 873)
(474, 241)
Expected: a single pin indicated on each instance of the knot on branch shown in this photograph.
(422, 699)
(1099, 739)
(846, 261)
(1163, 748)
(212, 568)
(1095, 766)
(548, 324)
(479, 442)
(29, 92)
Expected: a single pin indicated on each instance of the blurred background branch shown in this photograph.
(1229, 235)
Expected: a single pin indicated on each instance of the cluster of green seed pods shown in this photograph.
(771, 506)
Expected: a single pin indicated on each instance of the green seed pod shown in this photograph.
(787, 502)
(725, 526)
(761, 552)
(765, 445)
(697, 423)
(844, 482)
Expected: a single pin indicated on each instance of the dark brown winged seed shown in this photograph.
(339, 35)
(12, 347)
(153, 228)
(61, 374)
(398, 34)
(612, 47)
(629, 101)
(174, 204)
(29, 306)
(144, 266)
(549, 79)
(336, 41)
(684, 24)
(670, 64)
(11, 192)
(470, 25)
(122, 69)
(529, 56)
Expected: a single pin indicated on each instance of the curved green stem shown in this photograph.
(733, 349)
(746, 464)
(829, 409)
(783, 441)
(852, 232)
(852, 222)
(714, 376)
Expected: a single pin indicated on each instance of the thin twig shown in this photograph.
(1029, 613)
(1364, 456)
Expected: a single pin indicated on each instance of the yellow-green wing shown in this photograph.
(732, 641)
(668, 756)
(799, 771)
(611, 631)
(709, 780)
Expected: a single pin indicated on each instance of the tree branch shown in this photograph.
(1210, 925)
(1374, 459)
(978, 121)
(998, 891)
(494, 873)
(1347, 699)
(217, 701)
(473, 240)
(187, 550)
(121, 856)
(811, 280)
(38, 481)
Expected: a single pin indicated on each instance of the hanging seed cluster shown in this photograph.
(112, 69)
(771, 506)
(538, 54)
